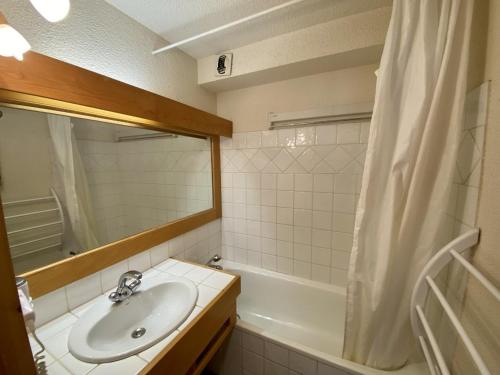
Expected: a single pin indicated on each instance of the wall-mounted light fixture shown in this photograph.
(12, 43)
(52, 10)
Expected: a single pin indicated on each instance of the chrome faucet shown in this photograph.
(124, 290)
(215, 259)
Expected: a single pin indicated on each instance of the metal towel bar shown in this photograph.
(425, 283)
(30, 222)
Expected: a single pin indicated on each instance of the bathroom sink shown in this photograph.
(113, 331)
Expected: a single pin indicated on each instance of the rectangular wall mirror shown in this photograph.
(69, 185)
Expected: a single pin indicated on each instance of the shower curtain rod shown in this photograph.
(228, 25)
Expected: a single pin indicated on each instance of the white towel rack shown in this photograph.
(425, 284)
(34, 225)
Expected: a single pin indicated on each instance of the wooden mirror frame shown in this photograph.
(45, 84)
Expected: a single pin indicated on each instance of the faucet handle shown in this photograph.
(125, 290)
(136, 276)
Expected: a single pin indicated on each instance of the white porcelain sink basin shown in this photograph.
(106, 332)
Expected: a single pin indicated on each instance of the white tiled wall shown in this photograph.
(197, 246)
(248, 354)
(463, 210)
(138, 185)
(289, 198)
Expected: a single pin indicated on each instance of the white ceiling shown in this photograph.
(178, 19)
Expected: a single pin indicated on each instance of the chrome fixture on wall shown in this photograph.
(213, 260)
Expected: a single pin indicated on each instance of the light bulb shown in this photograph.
(52, 10)
(12, 43)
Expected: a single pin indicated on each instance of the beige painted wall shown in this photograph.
(248, 108)
(481, 314)
(24, 151)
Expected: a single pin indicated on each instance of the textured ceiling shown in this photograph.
(178, 19)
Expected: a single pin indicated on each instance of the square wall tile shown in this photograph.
(323, 183)
(159, 253)
(286, 137)
(140, 262)
(269, 138)
(345, 183)
(269, 262)
(285, 199)
(302, 364)
(285, 181)
(268, 214)
(269, 181)
(83, 290)
(322, 220)
(341, 259)
(253, 180)
(284, 249)
(253, 364)
(268, 230)
(302, 269)
(321, 256)
(302, 200)
(323, 202)
(348, 133)
(303, 182)
(342, 241)
(284, 265)
(305, 136)
(50, 306)
(302, 252)
(268, 197)
(338, 277)
(302, 218)
(326, 135)
(276, 353)
(344, 203)
(253, 140)
(253, 343)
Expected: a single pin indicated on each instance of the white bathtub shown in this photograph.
(301, 316)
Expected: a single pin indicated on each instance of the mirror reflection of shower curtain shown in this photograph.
(75, 185)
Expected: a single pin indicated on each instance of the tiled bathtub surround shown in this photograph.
(289, 198)
(55, 334)
(249, 354)
(464, 200)
(197, 246)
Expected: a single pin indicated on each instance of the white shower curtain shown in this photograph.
(76, 191)
(401, 216)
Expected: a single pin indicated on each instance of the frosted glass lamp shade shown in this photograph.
(52, 10)
(12, 43)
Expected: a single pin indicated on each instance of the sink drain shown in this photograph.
(139, 332)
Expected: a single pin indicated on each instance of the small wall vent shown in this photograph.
(224, 64)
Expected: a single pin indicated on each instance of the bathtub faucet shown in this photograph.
(215, 259)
